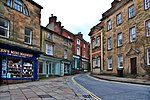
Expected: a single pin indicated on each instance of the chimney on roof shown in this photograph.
(80, 34)
(115, 2)
(52, 19)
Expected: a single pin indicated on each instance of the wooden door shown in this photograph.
(133, 66)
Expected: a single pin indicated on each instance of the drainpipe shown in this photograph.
(102, 53)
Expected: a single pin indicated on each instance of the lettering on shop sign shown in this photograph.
(15, 53)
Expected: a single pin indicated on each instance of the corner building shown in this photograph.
(19, 40)
(127, 38)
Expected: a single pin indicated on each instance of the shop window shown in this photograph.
(147, 4)
(18, 5)
(28, 35)
(40, 67)
(14, 68)
(147, 27)
(4, 27)
(4, 67)
(27, 69)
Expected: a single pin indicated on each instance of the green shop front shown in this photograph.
(18, 64)
(50, 66)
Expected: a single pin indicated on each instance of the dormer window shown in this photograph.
(18, 5)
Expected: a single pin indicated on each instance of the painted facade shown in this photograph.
(19, 40)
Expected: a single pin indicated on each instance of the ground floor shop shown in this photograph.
(17, 64)
(49, 66)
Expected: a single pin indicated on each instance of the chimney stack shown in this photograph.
(115, 2)
(52, 19)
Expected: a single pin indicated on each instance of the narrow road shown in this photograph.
(108, 90)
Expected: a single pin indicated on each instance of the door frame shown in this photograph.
(134, 72)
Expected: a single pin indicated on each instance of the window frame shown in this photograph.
(119, 18)
(4, 28)
(31, 33)
(109, 61)
(119, 39)
(109, 40)
(78, 51)
(109, 25)
(120, 59)
(51, 49)
(145, 4)
(131, 14)
(147, 29)
(148, 56)
(78, 41)
(49, 36)
(65, 54)
(132, 34)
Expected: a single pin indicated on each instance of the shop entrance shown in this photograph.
(133, 66)
(0, 70)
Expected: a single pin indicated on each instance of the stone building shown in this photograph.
(57, 53)
(96, 49)
(80, 58)
(127, 38)
(19, 40)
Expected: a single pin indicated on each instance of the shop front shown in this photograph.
(18, 64)
(67, 66)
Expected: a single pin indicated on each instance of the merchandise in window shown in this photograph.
(4, 67)
(27, 69)
(14, 68)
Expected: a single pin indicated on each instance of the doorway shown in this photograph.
(133, 65)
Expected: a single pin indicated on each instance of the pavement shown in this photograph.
(48, 89)
(122, 79)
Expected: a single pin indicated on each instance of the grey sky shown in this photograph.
(75, 15)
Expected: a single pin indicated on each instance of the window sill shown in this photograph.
(109, 69)
(28, 43)
(118, 24)
(109, 49)
(119, 46)
(131, 17)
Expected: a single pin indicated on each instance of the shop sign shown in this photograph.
(15, 53)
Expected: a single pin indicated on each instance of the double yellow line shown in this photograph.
(84, 89)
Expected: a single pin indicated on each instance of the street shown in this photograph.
(108, 90)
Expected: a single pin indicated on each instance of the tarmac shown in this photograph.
(60, 88)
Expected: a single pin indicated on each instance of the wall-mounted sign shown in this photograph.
(15, 53)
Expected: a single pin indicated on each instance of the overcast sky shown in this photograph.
(75, 15)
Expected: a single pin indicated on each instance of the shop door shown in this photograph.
(133, 66)
(0, 70)
(47, 69)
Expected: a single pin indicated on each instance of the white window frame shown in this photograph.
(120, 60)
(132, 34)
(109, 43)
(49, 49)
(110, 66)
(147, 27)
(131, 11)
(5, 28)
(18, 5)
(148, 56)
(84, 53)
(69, 37)
(28, 36)
(119, 18)
(120, 39)
(84, 46)
(65, 54)
(146, 4)
(78, 41)
(109, 25)
(78, 50)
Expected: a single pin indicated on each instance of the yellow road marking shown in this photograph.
(87, 91)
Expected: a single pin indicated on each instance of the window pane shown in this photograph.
(8, 2)
(25, 11)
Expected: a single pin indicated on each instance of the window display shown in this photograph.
(27, 69)
(14, 68)
(4, 67)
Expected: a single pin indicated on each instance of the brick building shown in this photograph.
(80, 58)
(96, 49)
(126, 38)
(19, 40)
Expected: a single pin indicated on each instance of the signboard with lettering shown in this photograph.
(15, 53)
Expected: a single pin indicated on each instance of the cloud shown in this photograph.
(75, 15)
